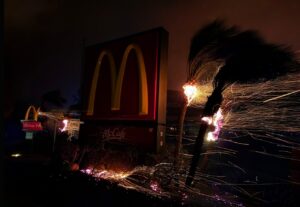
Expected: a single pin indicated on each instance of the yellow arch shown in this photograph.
(116, 85)
(35, 113)
(91, 103)
(143, 86)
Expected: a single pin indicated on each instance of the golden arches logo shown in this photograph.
(117, 81)
(35, 113)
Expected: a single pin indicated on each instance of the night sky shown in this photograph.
(44, 38)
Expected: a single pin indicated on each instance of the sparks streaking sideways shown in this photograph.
(248, 92)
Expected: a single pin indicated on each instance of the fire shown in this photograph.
(65, 122)
(154, 186)
(87, 171)
(216, 122)
(190, 91)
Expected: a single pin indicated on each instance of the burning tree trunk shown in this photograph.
(212, 105)
(248, 59)
(180, 134)
(190, 92)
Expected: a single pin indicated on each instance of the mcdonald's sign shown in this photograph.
(30, 125)
(125, 85)
(117, 81)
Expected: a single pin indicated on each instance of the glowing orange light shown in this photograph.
(190, 91)
(112, 175)
(16, 155)
(107, 174)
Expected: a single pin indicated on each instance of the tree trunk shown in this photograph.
(180, 134)
(212, 105)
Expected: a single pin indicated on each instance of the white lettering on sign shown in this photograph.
(114, 133)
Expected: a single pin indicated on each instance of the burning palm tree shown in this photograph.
(240, 57)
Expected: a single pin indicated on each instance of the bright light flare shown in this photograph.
(216, 122)
(155, 186)
(65, 122)
(190, 91)
(87, 171)
(16, 155)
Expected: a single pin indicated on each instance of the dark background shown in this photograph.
(44, 38)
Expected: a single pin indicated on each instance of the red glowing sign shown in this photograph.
(125, 79)
(31, 126)
(125, 89)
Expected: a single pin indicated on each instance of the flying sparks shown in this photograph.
(251, 118)
(284, 95)
(107, 174)
(275, 104)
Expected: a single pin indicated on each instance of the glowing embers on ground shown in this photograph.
(107, 174)
(155, 181)
(215, 123)
(140, 178)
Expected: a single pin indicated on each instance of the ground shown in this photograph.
(33, 182)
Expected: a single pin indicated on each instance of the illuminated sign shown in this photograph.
(30, 126)
(124, 90)
(35, 113)
(117, 81)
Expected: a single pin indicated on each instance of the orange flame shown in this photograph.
(190, 91)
